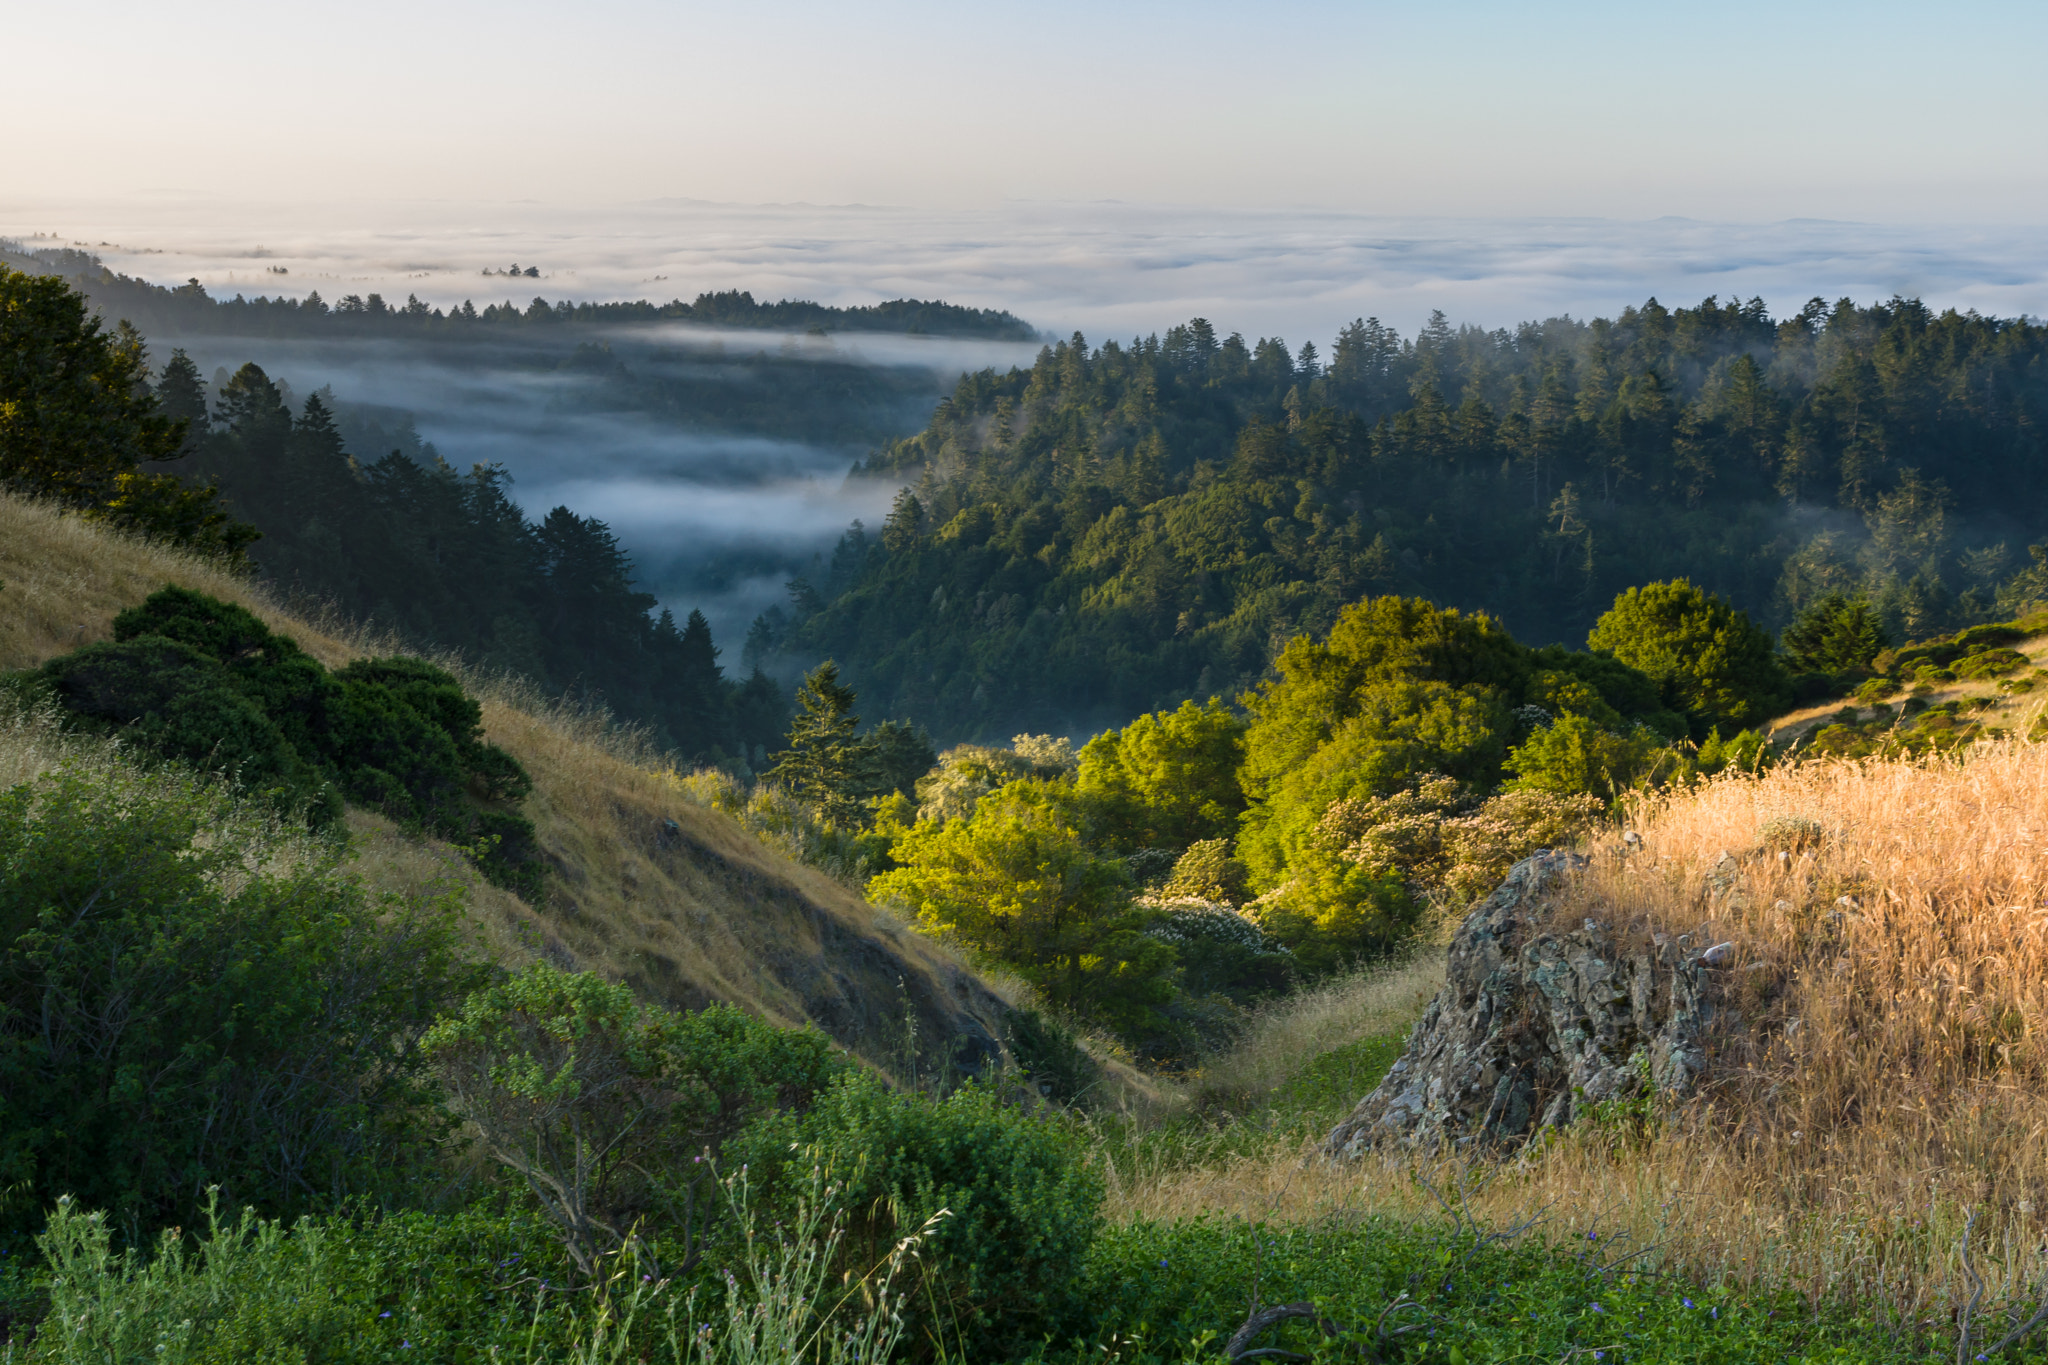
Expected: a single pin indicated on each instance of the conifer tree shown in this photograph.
(825, 764)
(80, 425)
(1837, 634)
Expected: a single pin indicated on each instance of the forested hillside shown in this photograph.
(449, 561)
(1123, 526)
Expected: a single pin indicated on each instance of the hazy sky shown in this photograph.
(1884, 112)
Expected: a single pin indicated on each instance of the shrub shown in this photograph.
(1836, 635)
(967, 772)
(190, 996)
(1572, 755)
(1207, 872)
(1710, 660)
(1222, 951)
(1057, 1065)
(465, 1287)
(1443, 845)
(1992, 662)
(611, 1110)
(205, 682)
(1169, 778)
(1001, 1269)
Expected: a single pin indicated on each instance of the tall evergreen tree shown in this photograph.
(825, 764)
(1837, 634)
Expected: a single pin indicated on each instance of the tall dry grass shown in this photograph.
(1879, 1070)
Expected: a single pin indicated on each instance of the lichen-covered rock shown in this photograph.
(1533, 1026)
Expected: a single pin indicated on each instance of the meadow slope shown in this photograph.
(647, 887)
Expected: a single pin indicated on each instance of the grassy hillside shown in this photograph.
(1877, 1072)
(647, 887)
(1998, 686)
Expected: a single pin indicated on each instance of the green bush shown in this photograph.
(191, 678)
(1049, 1055)
(612, 1112)
(189, 996)
(1001, 1268)
(1572, 755)
(470, 1286)
(1836, 635)
(1018, 884)
(1709, 660)
(1166, 779)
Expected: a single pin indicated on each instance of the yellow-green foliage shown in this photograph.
(967, 772)
(1168, 779)
(1434, 838)
(1206, 872)
(1398, 687)
(1574, 754)
(1709, 659)
(1016, 882)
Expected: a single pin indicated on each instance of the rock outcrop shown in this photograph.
(1534, 1025)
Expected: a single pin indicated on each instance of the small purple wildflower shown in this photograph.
(385, 1314)
(1598, 1309)
(1688, 1303)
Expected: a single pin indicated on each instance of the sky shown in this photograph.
(1735, 111)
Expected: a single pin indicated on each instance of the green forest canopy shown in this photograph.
(1123, 526)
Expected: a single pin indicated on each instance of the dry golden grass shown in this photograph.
(648, 887)
(1881, 1067)
(63, 579)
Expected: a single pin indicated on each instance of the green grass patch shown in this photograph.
(1339, 1078)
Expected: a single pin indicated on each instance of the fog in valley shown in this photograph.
(717, 518)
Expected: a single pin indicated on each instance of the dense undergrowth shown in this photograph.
(489, 1282)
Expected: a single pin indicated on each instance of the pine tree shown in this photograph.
(181, 395)
(79, 424)
(1837, 634)
(825, 764)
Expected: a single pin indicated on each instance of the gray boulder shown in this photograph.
(1534, 1025)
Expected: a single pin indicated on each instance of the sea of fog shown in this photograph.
(719, 520)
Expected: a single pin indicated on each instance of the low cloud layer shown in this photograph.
(1106, 269)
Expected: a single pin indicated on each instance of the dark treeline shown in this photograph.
(448, 561)
(188, 308)
(1119, 527)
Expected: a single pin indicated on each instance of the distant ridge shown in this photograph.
(187, 309)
